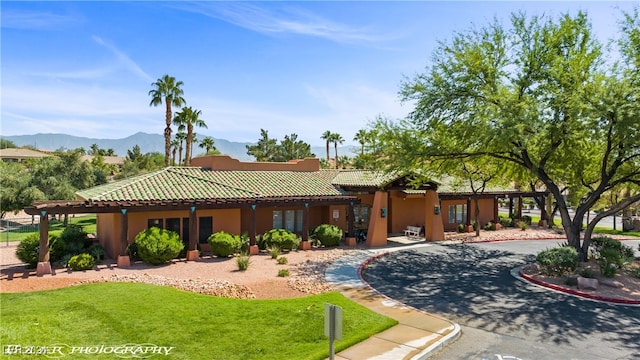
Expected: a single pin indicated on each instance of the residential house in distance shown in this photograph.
(20, 154)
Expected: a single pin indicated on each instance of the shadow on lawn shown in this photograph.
(473, 286)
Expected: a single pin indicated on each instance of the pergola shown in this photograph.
(124, 207)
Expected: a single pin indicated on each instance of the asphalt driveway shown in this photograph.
(501, 316)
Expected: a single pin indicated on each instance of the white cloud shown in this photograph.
(293, 21)
(19, 19)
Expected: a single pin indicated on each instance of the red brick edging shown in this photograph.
(578, 292)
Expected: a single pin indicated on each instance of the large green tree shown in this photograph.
(186, 119)
(327, 136)
(541, 97)
(16, 190)
(268, 149)
(209, 144)
(168, 91)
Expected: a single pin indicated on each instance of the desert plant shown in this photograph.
(28, 251)
(624, 252)
(243, 261)
(274, 251)
(460, 228)
(328, 235)
(97, 251)
(224, 244)
(490, 226)
(282, 260)
(587, 273)
(132, 250)
(157, 246)
(526, 219)
(281, 238)
(505, 222)
(82, 261)
(283, 272)
(558, 261)
(523, 225)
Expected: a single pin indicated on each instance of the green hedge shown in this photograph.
(29, 248)
(328, 235)
(156, 246)
(82, 262)
(281, 238)
(224, 244)
(558, 261)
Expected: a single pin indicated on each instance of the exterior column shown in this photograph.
(123, 258)
(544, 217)
(468, 220)
(350, 239)
(192, 252)
(520, 207)
(377, 232)
(253, 246)
(433, 226)
(44, 265)
(496, 216)
(305, 244)
(510, 206)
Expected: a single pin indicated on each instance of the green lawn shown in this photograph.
(88, 223)
(196, 326)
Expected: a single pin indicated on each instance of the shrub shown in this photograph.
(224, 244)
(157, 246)
(558, 261)
(75, 239)
(523, 225)
(132, 250)
(243, 261)
(490, 226)
(28, 251)
(97, 251)
(244, 242)
(460, 228)
(328, 235)
(283, 272)
(526, 219)
(282, 260)
(624, 252)
(282, 238)
(274, 251)
(635, 272)
(607, 262)
(261, 242)
(505, 222)
(83, 261)
(587, 273)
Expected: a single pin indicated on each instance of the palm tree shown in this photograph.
(361, 137)
(336, 139)
(187, 118)
(167, 90)
(181, 136)
(327, 136)
(175, 143)
(208, 143)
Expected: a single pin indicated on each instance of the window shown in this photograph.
(290, 220)
(205, 228)
(299, 219)
(173, 224)
(155, 223)
(277, 219)
(458, 214)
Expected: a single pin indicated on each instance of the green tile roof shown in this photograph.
(363, 178)
(178, 183)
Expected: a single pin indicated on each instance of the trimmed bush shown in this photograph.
(526, 219)
(28, 250)
(460, 228)
(608, 262)
(282, 260)
(283, 272)
(328, 235)
(97, 251)
(82, 262)
(624, 252)
(505, 222)
(157, 246)
(558, 261)
(490, 226)
(281, 238)
(224, 244)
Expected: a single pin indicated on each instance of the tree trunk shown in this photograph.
(167, 133)
(187, 155)
(336, 149)
(477, 216)
(327, 150)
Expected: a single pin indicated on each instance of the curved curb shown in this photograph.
(438, 345)
(531, 239)
(577, 292)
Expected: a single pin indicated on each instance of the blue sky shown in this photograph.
(85, 68)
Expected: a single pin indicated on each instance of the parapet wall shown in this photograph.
(225, 162)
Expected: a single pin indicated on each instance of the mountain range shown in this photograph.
(146, 142)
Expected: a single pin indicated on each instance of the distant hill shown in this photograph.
(147, 143)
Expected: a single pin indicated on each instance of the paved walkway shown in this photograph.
(418, 334)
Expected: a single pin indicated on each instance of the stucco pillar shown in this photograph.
(434, 228)
(253, 246)
(305, 244)
(192, 252)
(377, 232)
(123, 257)
(468, 220)
(496, 216)
(519, 207)
(44, 265)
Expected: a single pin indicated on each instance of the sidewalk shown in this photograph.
(418, 334)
